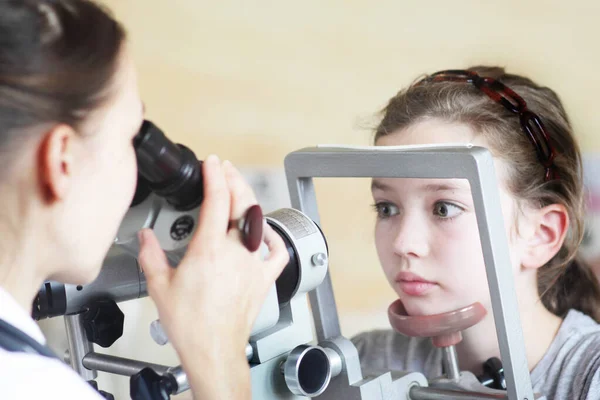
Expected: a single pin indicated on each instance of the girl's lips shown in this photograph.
(415, 288)
(413, 284)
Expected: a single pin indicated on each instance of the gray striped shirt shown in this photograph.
(570, 369)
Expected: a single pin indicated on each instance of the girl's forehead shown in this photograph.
(430, 131)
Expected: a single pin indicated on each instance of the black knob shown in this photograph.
(494, 371)
(148, 385)
(105, 395)
(103, 322)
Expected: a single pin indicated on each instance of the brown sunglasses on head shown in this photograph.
(532, 124)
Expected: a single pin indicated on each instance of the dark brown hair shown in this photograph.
(57, 62)
(564, 283)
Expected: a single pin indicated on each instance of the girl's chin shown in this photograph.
(421, 307)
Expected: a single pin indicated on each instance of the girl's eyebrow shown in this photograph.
(430, 187)
(441, 187)
(378, 185)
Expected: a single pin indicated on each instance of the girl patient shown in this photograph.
(428, 242)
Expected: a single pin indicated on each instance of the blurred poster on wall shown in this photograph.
(269, 185)
(590, 246)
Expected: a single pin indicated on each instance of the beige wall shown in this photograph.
(254, 80)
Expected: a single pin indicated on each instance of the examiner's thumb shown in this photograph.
(154, 262)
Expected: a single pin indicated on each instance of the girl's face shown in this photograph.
(426, 231)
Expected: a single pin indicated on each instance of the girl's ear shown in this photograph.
(550, 226)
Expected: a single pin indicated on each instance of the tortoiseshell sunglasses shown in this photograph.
(532, 124)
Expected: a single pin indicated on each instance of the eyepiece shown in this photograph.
(172, 170)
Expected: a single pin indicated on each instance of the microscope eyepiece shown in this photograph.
(171, 170)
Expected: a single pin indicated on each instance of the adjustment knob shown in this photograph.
(148, 385)
(103, 322)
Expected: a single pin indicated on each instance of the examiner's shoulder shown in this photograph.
(30, 376)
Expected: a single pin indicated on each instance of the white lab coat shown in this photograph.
(29, 376)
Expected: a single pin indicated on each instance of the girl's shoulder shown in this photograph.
(570, 369)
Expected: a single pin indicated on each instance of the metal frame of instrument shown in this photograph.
(430, 161)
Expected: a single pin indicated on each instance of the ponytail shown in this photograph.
(575, 287)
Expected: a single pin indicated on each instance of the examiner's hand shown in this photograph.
(209, 303)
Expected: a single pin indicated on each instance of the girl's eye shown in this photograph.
(446, 210)
(385, 210)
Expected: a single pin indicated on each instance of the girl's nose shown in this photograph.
(411, 237)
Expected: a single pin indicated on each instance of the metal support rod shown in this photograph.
(427, 393)
(128, 367)
(79, 346)
(119, 365)
(450, 363)
(322, 299)
(324, 309)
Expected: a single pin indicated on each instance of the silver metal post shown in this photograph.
(128, 367)
(322, 300)
(79, 346)
(119, 365)
(450, 363)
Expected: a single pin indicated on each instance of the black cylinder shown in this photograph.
(172, 170)
(288, 281)
(51, 301)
